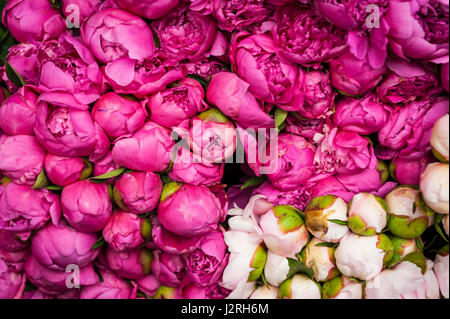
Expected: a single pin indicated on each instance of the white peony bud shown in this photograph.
(276, 269)
(299, 287)
(429, 288)
(284, 231)
(367, 214)
(318, 213)
(342, 287)
(265, 292)
(441, 268)
(363, 257)
(409, 216)
(439, 139)
(403, 279)
(434, 186)
(321, 260)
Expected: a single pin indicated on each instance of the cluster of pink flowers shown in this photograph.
(122, 121)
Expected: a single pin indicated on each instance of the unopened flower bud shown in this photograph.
(434, 186)
(367, 214)
(299, 287)
(363, 257)
(342, 287)
(440, 138)
(265, 292)
(320, 211)
(321, 260)
(409, 217)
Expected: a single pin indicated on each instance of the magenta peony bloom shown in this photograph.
(419, 29)
(170, 242)
(148, 285)
(15, 259)
(311, 129)
(64, 131)
(230, 94)
(149, 9)
(126, 231)
(102, 144)
(23, 209)
(64, 171)
(271, 78)
(188, 210)
(445, 76)
(85, 8)
(206, 263)
(23, 57)
(105, 165)
(21, 158)
(173, 105)
(331, 186)
(111, 287)
(204, 68)
(212, 136)
(86, 205)
(130, 264)
(304, 37)
(145, 77)
(112, 34)
(318, 95)
(364, 116)
(12, 241)
(232, 15)
(344, 152)
(365, 26)
(184, 34)
(54, 282)
(193, 291)
(147, 150)
(12, 284)
(118, 115)
(408, 171)
(292, 165)
(191, 169)
(169, 269)
(69, 73)
(407, 82)
(138, 192)
(29, 20)
(353, 76)
(56, 247)
(409, 127)
(18, 112)
(298, 198)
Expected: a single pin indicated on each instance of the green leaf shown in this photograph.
(440, 232)
(438, 219)
(296, 267)
(264, 280)
(13, 75)
(419, 245)
(339, 222)
(41, 181)
(252, 181)
(165, 178)
(54, 187)
(109, 175)
(3, 33)
(99, 243)
(331, 245)
(280, 116)
(7, 42)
